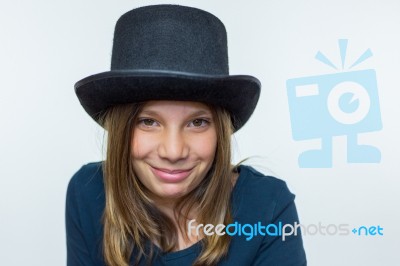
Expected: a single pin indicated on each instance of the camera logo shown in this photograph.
(344, 103)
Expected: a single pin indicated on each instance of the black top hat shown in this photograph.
(169, 52)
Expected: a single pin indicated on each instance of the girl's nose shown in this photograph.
(173, 146)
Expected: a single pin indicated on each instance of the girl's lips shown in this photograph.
(171, 176)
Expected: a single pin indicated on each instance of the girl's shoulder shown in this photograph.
(253, 182)
(88, 175)
(85, 203)
(259, 195)
(86, 186)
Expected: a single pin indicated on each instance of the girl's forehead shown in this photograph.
(175, 106)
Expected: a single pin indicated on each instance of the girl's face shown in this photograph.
(173, 146)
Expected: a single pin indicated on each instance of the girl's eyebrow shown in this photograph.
(156, 113)
(148, 112)
(200, 113)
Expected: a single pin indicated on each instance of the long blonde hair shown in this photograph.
(131, 218)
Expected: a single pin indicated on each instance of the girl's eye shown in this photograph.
(147, 122)
(198, 123)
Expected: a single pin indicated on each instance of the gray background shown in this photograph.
(46, 46)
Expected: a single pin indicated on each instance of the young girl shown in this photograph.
(167, 193)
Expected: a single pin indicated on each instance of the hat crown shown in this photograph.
(170, 38)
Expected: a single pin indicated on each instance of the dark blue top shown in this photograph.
(256, 200)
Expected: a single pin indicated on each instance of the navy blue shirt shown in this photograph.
(257, 201)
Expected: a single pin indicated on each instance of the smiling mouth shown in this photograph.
(171, 175)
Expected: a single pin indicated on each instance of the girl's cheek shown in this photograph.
(205, 146)
(143, 144)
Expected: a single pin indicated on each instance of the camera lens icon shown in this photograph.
(348, 103)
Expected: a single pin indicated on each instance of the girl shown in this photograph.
(167, 193)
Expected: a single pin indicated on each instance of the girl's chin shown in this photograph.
(171, 193)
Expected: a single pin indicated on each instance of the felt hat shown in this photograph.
(169, 52)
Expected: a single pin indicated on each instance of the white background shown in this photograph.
(45, 136)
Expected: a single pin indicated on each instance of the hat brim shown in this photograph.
(238, 94)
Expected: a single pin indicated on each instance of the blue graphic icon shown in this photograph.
(344, 103)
